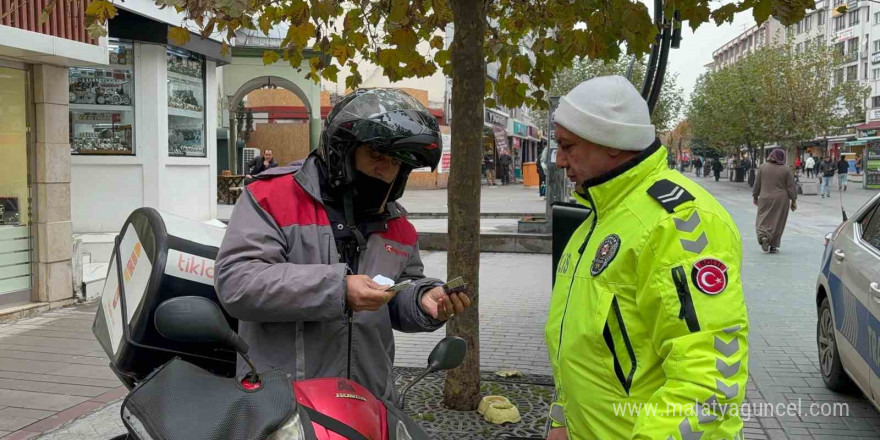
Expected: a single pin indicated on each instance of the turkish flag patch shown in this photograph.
(710, 276)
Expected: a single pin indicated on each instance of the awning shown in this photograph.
(869, 125)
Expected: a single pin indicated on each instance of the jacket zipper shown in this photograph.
(570, 284)
(687, 311)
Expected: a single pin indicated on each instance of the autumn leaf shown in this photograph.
(96, 30)
(399, 9)
(178, 35)
(102, 9)
(404, 38)
(224, 49)
(270, 57)
(329, 73)
(437, 42)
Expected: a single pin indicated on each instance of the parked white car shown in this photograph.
(848, 301)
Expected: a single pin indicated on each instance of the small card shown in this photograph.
(383, 280)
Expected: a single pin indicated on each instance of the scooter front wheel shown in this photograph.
(121, 437)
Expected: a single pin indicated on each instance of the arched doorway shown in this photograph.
(271, 112)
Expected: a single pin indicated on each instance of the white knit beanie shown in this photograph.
(608, 111)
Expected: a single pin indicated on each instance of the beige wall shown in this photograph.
(279, 98)
(288, 141)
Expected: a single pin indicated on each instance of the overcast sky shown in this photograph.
(696, 48)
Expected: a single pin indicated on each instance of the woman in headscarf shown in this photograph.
(774, 194)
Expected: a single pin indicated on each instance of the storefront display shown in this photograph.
(15, 187)
(102, 105)
(872, 166)
(186, 104)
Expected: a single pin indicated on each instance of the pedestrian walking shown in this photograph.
(542, 176)
(707, 166)
(774, 194)
(810, 166)
(797, 165)
(826, 169)
(504, 164)
(489, 164)
(698, 166)
(653, 238)
(842, 173)
(858, 165)
(717, 167)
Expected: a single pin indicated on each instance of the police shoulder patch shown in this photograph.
(669, 194)
(604, 254)
(710, 276)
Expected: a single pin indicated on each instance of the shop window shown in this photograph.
(186, 104)
(875, 101)
(15, 242)
(102, 105)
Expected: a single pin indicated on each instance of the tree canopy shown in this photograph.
(784, 94)
(531, 40)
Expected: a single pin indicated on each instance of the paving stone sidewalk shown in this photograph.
(52, 371)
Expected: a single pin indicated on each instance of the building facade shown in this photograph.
(35, 177)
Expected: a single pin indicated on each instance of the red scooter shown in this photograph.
(182, 401)
(172, 345)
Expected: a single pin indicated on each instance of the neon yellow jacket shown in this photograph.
(647, 331)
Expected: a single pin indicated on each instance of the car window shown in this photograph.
(871, 228)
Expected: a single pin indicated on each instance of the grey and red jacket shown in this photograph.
(278, 271)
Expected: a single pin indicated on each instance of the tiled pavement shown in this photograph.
(51, 371)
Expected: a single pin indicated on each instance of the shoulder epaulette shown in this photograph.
(669, 194)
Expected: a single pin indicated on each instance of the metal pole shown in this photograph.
(555, 176)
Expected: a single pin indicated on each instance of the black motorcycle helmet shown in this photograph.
(390, 122)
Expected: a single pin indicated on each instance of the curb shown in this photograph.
(509, 243)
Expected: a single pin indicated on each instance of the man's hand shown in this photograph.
(793, 206)
(560, 433)
(440, 306)
(365, 294)
(249, 176)
(755, 201)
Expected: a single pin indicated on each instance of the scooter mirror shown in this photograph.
(195, 319)
(448, 354)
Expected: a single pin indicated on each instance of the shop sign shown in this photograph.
(520, 129)
(500, 139)
(872, 168)
(874, 114)
(495, 118)
(844, 35)
(875, 58)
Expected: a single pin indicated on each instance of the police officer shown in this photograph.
(647, 331)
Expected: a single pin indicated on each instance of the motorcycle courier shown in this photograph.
(173, 345)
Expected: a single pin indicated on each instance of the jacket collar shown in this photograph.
(604, 192)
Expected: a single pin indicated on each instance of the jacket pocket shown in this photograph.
(687, 312)
(619, 344)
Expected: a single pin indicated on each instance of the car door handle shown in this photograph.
(875, 291)
(839, 254)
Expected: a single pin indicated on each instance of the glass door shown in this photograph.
(15, 242)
